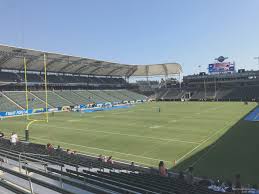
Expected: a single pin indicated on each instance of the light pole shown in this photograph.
(199, 69)
(257, 58)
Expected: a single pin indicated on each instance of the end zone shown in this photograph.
(253, 116)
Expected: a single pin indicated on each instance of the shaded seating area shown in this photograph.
(54, 171)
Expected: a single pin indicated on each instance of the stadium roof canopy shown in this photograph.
(12, 58)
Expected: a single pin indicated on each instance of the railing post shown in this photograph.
(20, 165)
(77, 171)
(31, 188)
(61, 182)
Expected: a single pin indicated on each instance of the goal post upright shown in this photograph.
(46, 88)
(26, 86)
(31, 120)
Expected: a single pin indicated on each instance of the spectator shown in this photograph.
(100, 158)
(181, 176)
(1, 134)
(50, 148)
(189, 176)
(69, 151)
(162, 169)
(132, 167)
(109, 160)
(14, 138)
(59, 149)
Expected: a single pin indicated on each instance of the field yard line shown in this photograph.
(119, 159)
(126, 154)
(147, 152)
(212, 135)
(122, 134)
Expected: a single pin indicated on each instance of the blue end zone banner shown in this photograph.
(221, 67)
(253, 116)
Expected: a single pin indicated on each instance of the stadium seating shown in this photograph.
(6, 105)
(72, 96)
(31, 77)
(20, 98)
(60, 79)
(172, 94)
(89, 96)
(32, 168)
(60, 98)
(107, 96)
(53, 99)
(8, 77)
(119, 95)
(245, 93)
(36, 78)
(133, 95)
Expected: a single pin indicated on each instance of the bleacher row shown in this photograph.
(245, 93)
(16, 100)
(31, 168)
(52, 78)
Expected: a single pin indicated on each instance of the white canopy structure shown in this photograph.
(11, 58)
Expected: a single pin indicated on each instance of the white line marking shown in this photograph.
(126, 154)
(74, 120)
(122, 134)
(120, 159)
(206, 153)
(95, 117)
(155, 126)
(207, 139)
(172, 121)
(157, 148)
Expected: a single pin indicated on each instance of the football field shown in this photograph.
(182, 133)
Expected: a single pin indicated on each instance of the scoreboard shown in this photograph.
(224, 67)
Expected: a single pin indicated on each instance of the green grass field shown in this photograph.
(181, 132)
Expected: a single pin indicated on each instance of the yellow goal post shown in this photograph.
(31, 120)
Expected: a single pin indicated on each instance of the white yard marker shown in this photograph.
(122, 134)
(74, 120)
(155, 127)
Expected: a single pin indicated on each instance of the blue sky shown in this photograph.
(190, 32)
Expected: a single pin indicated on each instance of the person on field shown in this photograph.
(162, 169)
(14, 138)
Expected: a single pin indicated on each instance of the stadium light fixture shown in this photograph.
(257, 58)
